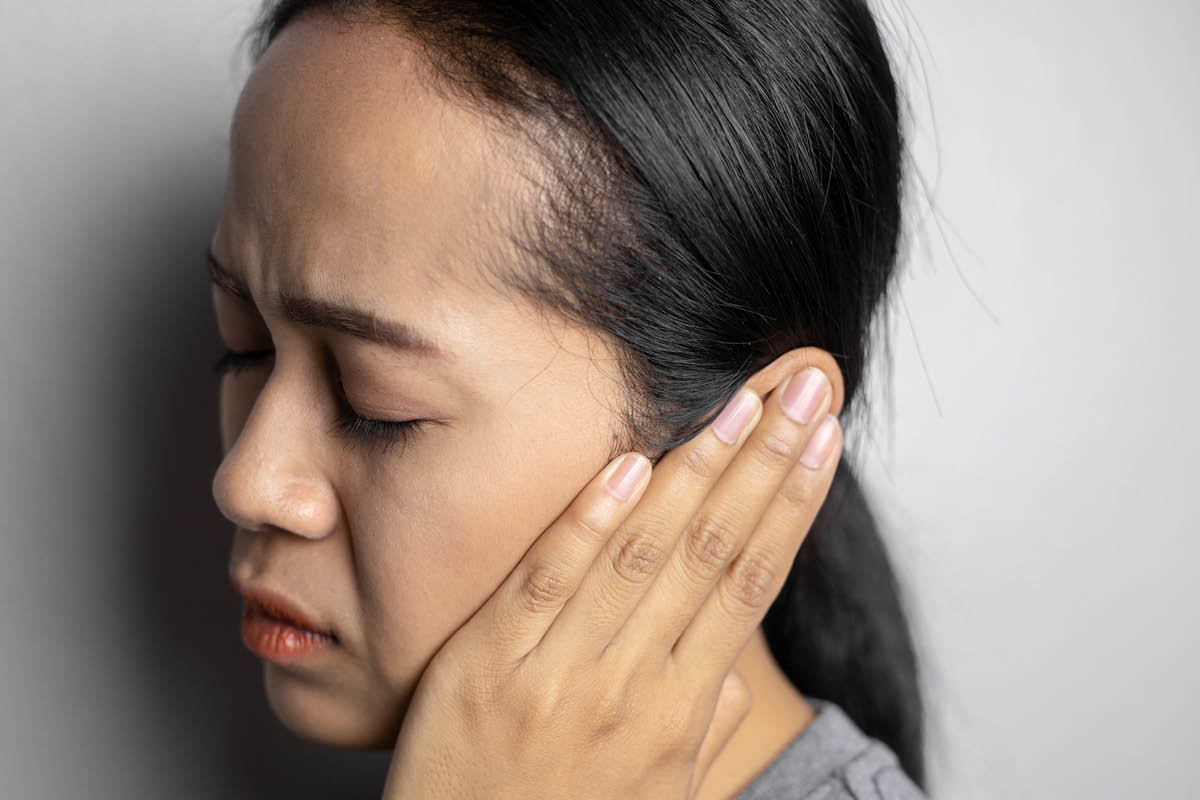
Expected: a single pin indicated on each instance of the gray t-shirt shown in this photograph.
(831, 759)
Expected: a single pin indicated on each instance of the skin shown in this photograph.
(350, 181)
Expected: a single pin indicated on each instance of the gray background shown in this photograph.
(1034, 473)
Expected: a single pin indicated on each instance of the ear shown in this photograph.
(770, 376)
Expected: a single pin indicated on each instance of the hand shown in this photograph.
(602, 666)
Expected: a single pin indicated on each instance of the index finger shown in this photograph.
(522, 608)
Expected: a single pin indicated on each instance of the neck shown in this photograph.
(778, 715)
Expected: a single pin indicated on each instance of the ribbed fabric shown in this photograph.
(832, 759)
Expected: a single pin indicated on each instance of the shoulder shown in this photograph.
(831, 759)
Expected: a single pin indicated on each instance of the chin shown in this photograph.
(321, 714)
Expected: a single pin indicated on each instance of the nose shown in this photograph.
(272, 476)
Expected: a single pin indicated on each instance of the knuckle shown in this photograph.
(539, 697)
(699, 462)
(638, 558)
(588, 530)
(796, 491)
(751, 578)
(537, 711)
(610, 713)
(773, 451)
(604, 724)
(543, 588)
(680, 732)
(479, 691)
(710, 543)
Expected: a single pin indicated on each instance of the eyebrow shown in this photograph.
(332, 316)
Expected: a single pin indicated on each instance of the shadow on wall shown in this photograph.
(207, 685)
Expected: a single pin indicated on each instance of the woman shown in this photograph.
(506, 248)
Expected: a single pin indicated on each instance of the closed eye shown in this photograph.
(377, 433)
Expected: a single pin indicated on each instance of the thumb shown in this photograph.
(733, 705)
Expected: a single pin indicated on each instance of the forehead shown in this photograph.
(351, 179)
(349, 175)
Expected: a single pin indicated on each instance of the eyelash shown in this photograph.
(383, 434)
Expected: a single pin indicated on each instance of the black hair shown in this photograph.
(723, 183)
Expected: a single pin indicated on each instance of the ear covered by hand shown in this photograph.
(603, 666)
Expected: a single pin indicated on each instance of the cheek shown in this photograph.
(507, 494)
(451, 521)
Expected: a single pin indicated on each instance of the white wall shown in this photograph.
(1039, 483)
(1035, 479)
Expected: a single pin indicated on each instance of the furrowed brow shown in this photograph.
(332, 316)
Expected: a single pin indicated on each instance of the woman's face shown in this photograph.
(350, 185)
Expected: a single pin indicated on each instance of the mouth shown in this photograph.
(275, 628)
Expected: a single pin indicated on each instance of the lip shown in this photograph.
(275, 627)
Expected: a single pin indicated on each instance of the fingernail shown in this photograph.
(803, 394)
(821, 444)
(732, 420)
(625, 479)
